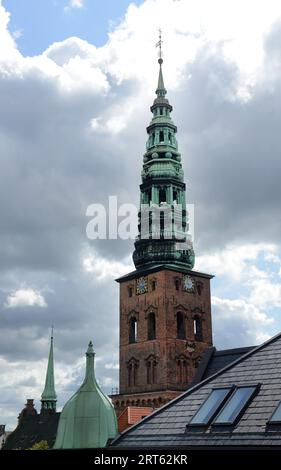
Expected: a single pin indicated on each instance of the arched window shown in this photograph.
(133, 330)
(180, 326)
(175, 195)
(153, 285)
(151, 367)
(177, 284)
(130, 291)
(161, 136)
(151, 326)
(197, 328)
(182, 370)
(161, 111)
(132, 367)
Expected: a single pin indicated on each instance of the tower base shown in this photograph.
(147, 399)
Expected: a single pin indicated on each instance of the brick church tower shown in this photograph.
(165, 306)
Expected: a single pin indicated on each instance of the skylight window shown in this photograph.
(276, 417)
(212, 404)
(235, 405)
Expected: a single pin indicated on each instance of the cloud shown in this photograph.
(72, 131)
(239, 322)
(25, 298)
(74, 4)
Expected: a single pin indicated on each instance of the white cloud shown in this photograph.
(74, 4)
(239, 323)
(104, 268)
(25, 297)
(237, 262)
(17, 34)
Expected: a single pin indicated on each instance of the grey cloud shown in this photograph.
(52, 167)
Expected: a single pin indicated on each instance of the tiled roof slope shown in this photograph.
(167, 426)
(213, 361)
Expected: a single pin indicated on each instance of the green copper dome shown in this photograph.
(88, 419)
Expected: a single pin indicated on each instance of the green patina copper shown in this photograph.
(163, 185)
(49, 396)
(88, 419)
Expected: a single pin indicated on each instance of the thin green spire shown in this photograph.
(49, 396)
(161, 90)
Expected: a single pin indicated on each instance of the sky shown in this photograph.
(77, 79)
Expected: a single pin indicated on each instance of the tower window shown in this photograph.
(175, 195)
(180, 326)
(161, 111)
(162, 195)
(130, 291)
(161, 136)
(148, 372)
(197, 328)
(162, 220)
(133, 330)
(199, 289)
(153, 285)
(132, 372)
(151, 366)
(177, 284)
(182, 370)
(151, 326)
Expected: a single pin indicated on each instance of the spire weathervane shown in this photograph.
(159, 44)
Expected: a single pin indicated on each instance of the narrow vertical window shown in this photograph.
(130, 375)
(161, 136)
(148, 372)
(133, 330)
(197, 328)
(151, 326)
(180, 326)
(162, 195)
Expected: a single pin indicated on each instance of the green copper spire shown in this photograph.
(161, 90)
(162, 190)
(49, 396)
(88, 419)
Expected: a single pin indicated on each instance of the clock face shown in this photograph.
(141, 285)
(188, 283)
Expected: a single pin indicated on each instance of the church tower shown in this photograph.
(165, 306)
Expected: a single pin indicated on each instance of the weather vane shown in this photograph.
(159, 44)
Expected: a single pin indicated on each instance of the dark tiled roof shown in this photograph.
(166, 427)
(32, 429)
(213, 361)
